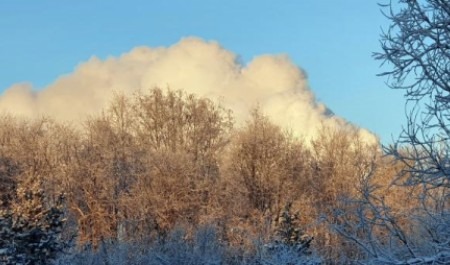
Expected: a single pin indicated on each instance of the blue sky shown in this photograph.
(331, 40)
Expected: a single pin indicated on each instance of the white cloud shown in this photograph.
(194, 65)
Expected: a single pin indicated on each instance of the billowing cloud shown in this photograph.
(194, 65)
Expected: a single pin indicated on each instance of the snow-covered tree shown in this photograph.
(290, 232)
(30, 229)
(416, 48)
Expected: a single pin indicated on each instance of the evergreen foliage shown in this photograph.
(30, 230)
(290, 232)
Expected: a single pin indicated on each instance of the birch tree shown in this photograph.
(416, 51)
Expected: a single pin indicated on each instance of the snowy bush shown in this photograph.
(204, 248)
(30, 232)
(107, 254)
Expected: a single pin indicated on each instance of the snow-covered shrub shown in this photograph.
(290, 233)
(203, 249)
(281, 254)
(176, 248)
(180, 248)
(291, 246)
(107, 254)
(30, 230)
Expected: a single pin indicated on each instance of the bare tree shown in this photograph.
(257, 161)
(181, 138)
(416, 47)
(340, 158)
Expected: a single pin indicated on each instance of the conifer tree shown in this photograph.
(30, 229)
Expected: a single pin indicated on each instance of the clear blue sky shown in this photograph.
(331, 40)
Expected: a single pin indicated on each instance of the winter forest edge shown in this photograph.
(167, 177)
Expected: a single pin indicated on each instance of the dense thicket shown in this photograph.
(163, 160)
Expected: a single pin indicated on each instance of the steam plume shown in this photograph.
(194, 65)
